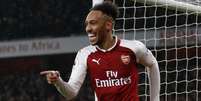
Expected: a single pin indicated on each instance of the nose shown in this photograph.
(88, 29)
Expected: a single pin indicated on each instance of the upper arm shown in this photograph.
(144, 55)
(79, 70)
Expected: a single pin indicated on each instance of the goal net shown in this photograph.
(172, 31)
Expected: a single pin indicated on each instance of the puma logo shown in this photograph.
(96, 61)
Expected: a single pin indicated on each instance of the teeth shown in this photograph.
(91, 35)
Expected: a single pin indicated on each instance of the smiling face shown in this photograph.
(98, 27)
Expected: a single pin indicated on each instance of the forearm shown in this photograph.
(71, 88)
(154, 78)
(145, 57)
(68, 90)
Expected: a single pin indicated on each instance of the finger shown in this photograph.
(49, 82)
(46, 72)
(52, 80)
(52, 75)
(57, 73)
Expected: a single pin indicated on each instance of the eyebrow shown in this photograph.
(91, 20)
(86, 22)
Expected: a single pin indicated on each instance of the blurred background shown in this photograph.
(24, 25)
(37, 35)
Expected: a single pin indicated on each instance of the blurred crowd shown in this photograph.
(26, 87)
(31, 86)
(38, 18)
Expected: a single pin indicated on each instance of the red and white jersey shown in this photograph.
(113, 72)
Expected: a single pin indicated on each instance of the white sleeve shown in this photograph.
(94, 2)
(71, 88)
(146, 58)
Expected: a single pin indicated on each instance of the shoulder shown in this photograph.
(82, 55)
(134, 45)
(87, 50)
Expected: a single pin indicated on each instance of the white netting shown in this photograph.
(173, 33)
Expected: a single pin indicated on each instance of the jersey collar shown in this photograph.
(109, 49)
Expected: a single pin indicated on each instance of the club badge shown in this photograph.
(125, 59)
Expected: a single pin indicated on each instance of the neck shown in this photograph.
(108, 43)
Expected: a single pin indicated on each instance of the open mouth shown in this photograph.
(91, 36)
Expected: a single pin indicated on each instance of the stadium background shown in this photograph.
(27, 31)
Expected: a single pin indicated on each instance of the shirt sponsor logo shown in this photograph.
(125, 59)
(113, 80)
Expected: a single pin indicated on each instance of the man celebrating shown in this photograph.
(110, 62)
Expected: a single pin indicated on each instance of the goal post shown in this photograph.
(172, 4)
(172, 31)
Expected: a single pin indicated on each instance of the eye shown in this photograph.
(93, 22)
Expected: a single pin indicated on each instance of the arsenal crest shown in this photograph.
(125, 59)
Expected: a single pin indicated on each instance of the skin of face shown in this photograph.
(98, 28)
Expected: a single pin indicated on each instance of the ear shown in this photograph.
(109, 25)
